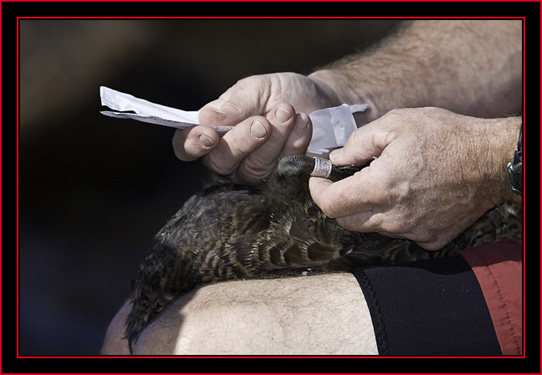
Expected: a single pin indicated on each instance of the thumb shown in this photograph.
(365, 144)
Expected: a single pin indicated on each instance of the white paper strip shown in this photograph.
(149, 112)
(331, 127)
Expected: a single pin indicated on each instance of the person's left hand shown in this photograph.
(270, 117)
(435, 173)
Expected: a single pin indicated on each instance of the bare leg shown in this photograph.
(324, 314)
(115, 343)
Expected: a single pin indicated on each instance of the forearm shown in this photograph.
(469, 67)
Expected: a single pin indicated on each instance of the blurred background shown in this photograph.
(93, 190)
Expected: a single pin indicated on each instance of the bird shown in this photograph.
(231, 231)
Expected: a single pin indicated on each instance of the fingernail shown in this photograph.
(283, 114)
(302, 121)
(205, 140)
(258, 130)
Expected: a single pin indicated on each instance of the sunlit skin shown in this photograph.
(462, 81)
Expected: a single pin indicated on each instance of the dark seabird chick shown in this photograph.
(229, 231)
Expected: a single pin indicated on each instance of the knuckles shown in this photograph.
(252, 170)
(218, 165)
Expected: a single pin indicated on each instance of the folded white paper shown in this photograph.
(331, 127)
(146, 111)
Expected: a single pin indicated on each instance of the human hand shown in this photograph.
(435, 173)
(269, 115)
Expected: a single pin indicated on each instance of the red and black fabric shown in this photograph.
(469, 303)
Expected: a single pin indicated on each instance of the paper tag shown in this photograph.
(149, 112)
(331, 127)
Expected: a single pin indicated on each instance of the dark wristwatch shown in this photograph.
(515, 169)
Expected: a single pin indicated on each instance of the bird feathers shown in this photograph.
(230, 231)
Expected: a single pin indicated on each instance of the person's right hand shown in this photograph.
(432, 174)
(269, 115)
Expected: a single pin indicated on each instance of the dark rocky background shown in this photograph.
(94, 190)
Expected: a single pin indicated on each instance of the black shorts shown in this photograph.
(469, 303)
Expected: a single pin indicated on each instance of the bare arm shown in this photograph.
(469, 67)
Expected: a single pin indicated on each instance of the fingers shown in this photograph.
(337, 200)
(342, 198)
(362, 201)
(355, 209)
(236, 144)
(251, 149)
(191, 144)
(228, 110)
(367, 142)
(361, 215)
(290, 135)
(299, 138)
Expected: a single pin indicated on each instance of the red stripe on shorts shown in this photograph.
(499, 270)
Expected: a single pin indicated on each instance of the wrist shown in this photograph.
(340, 90)
(515, 167)
(330, 85)
(504, 133)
